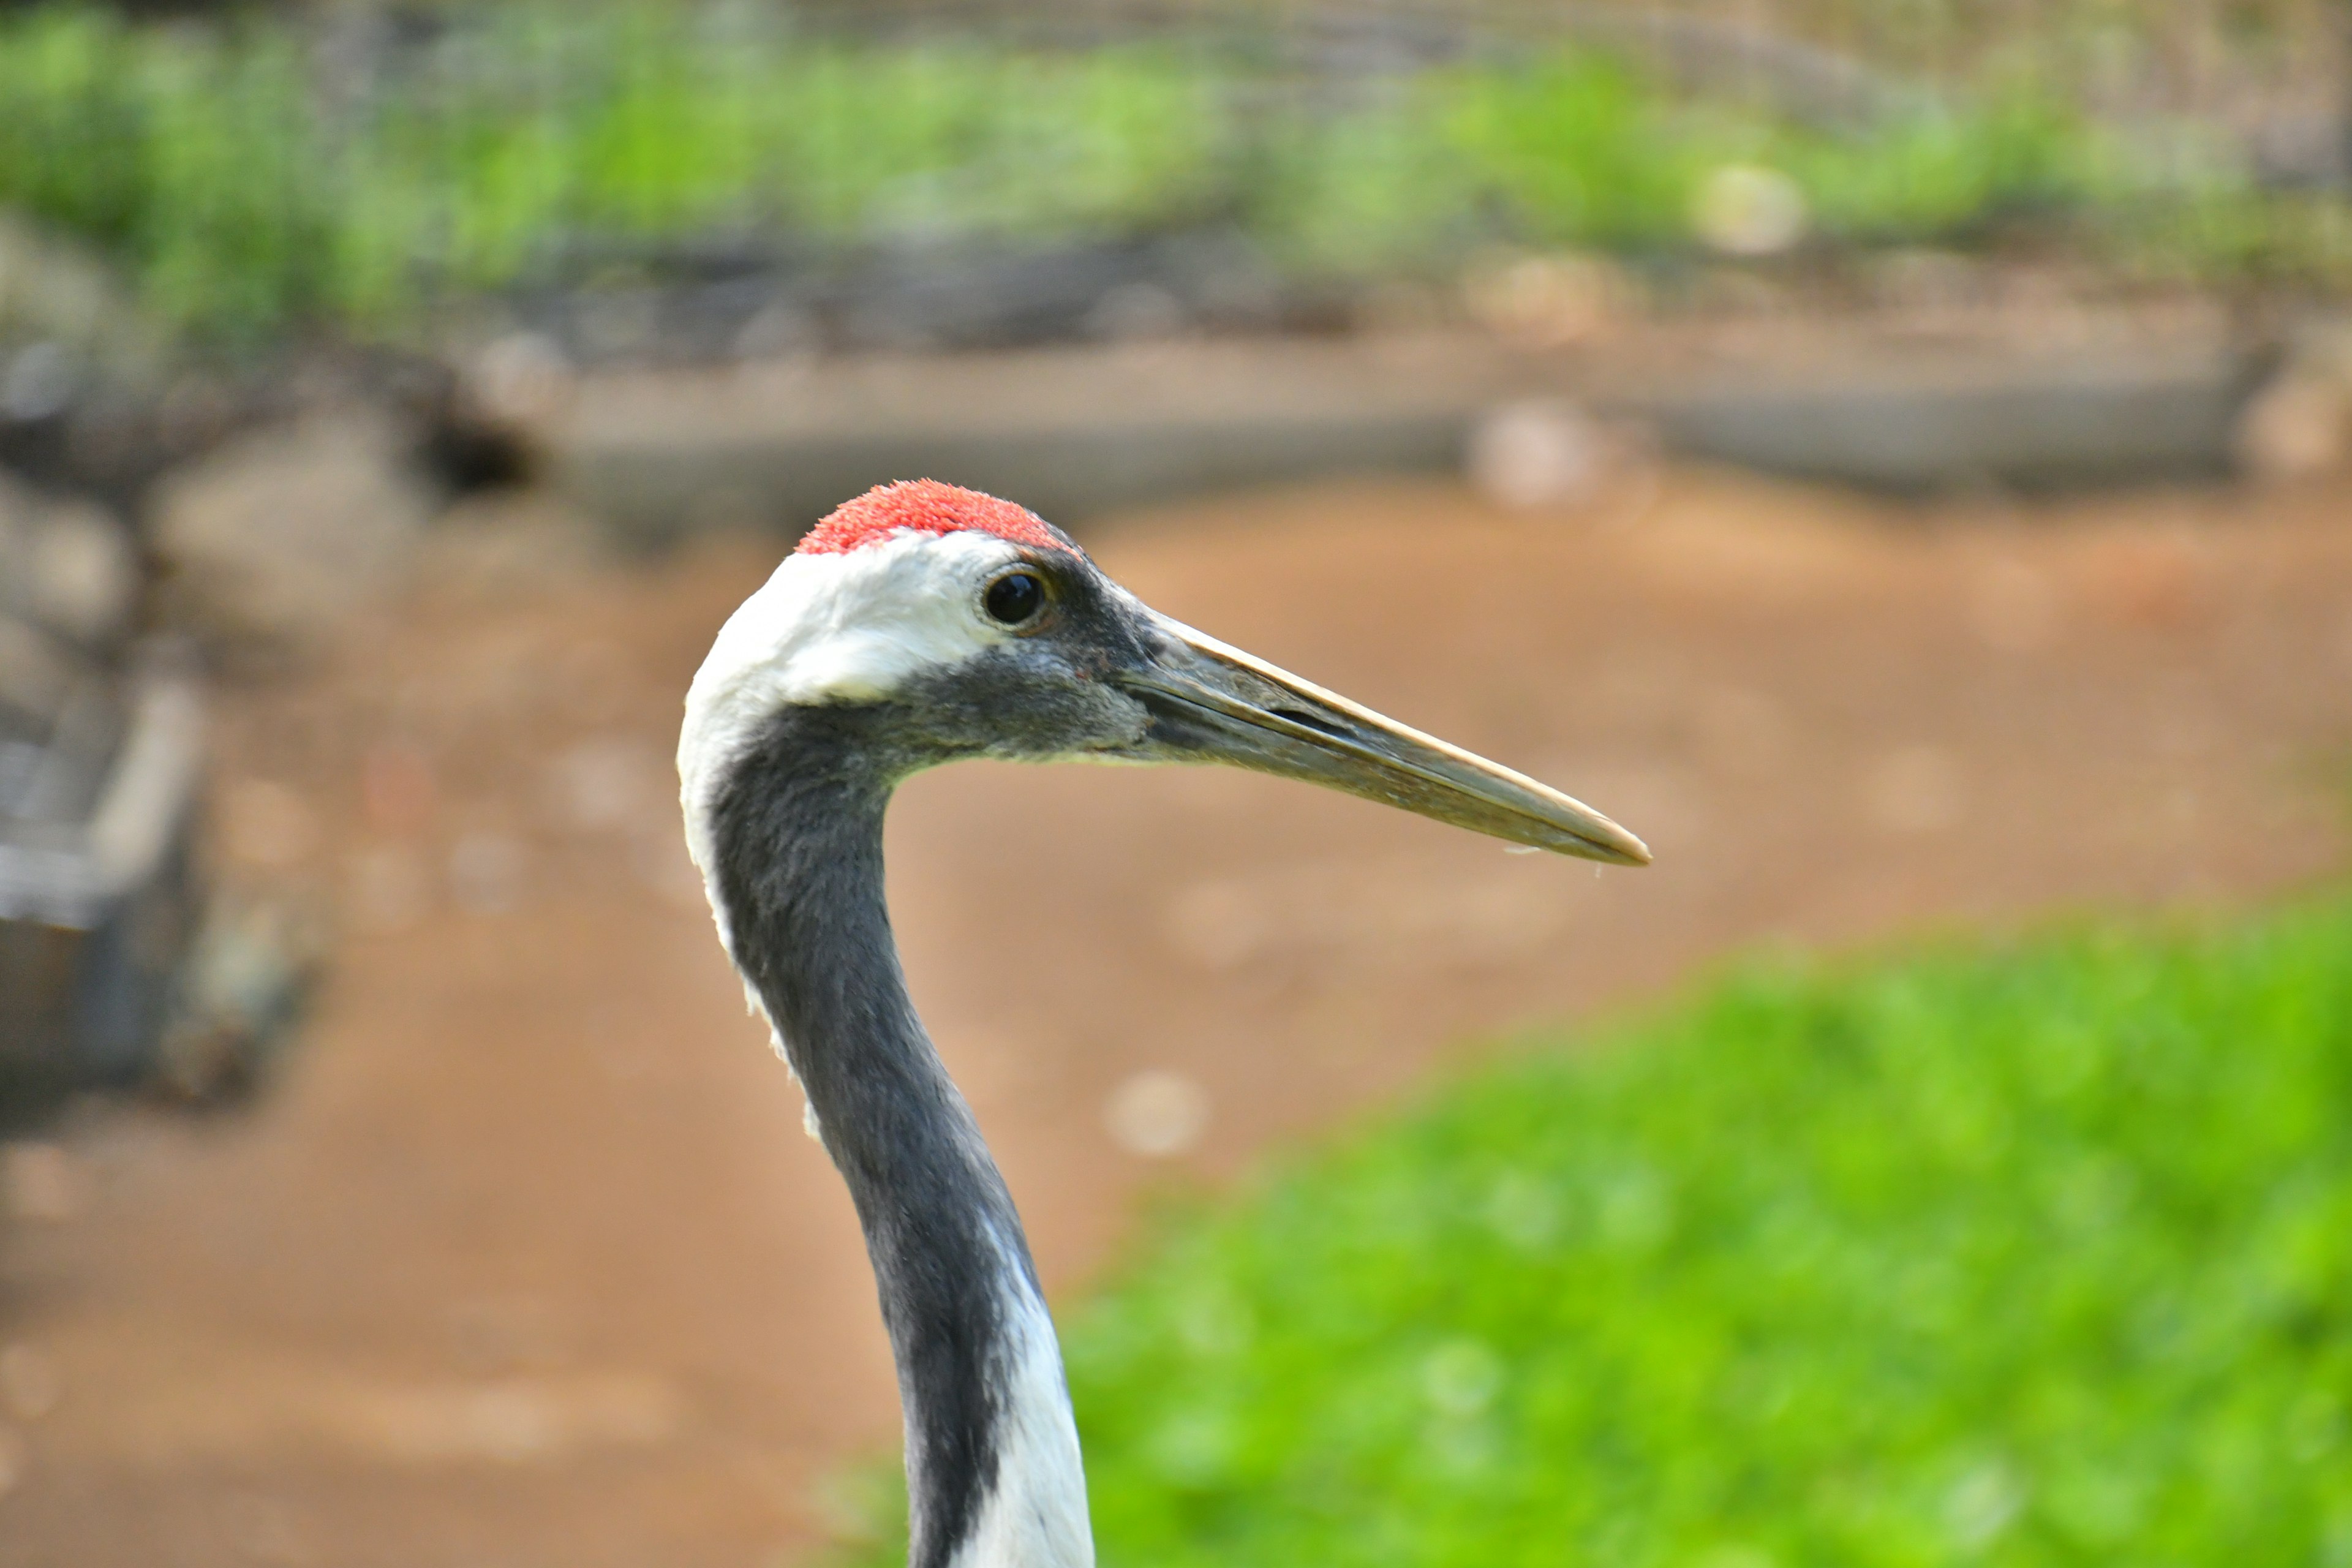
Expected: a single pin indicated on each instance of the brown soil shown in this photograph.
(522, 1259)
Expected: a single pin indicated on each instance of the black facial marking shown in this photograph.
(1049, 693)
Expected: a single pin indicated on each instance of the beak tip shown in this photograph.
(1598, 839)
(1627, 850)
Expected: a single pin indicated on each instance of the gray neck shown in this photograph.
(797, 835)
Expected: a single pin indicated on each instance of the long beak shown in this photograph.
(1215, 703)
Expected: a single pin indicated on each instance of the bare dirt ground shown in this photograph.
(523, 1259)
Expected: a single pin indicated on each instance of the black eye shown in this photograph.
(1016, 597)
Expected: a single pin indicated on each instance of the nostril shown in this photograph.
(1314, 722)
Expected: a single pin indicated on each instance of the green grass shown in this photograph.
(251, 186)
(248, 191)
(2022, 1253)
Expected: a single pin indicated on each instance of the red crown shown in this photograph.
(931, 506)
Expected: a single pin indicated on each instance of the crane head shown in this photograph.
(963, 626)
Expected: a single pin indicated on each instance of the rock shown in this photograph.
(64, 306)
(275, 539)
(517, 381)
(84, 372)
(1549, 452)
(2297, 428)
(247, 978)
(65, 564)
(2299, 425)
(40, 382)
(1156, 1114)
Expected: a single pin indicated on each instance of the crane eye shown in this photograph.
(1014, 598)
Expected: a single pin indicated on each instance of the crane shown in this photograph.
(918, 624)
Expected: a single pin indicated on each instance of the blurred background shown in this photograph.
(1895, 456)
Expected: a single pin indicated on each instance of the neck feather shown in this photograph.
(993, 1472)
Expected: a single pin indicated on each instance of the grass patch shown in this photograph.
(2031, 1253)
(250, 187)
(257, 175)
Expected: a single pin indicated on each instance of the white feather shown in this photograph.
(1035, 1514)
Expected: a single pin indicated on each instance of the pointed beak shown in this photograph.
(1210, 702)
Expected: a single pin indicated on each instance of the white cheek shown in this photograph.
(866, 664)
(856, 627)
(852, 627)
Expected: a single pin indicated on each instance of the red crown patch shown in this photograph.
(931, 507)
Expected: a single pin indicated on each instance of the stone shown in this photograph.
(66, 564)
(1156, 1114)
(242, 988)
(2299, 425)
(1538, 452)
(517, 381)
(275, 538)
(1550, 452)
(2297, 428)
(63, 303)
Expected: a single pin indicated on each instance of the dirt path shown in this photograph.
(524, 1260)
